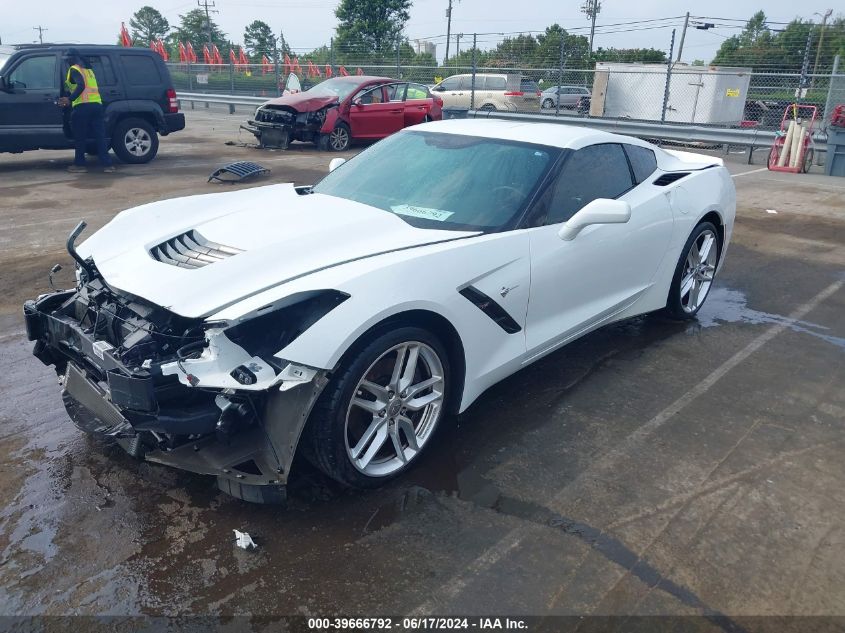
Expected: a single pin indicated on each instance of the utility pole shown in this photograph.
(448, 29)
(668, 79)
(683, 35)
(804, 80)
(40, 30)
(457, 47)
(826, 15)
(205, 5)
(591, 9)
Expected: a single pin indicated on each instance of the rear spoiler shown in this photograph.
(675, 160)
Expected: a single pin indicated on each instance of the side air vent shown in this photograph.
(668, 179)
(492, 309)
(191, 250)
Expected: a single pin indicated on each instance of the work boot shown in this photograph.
(77, 169)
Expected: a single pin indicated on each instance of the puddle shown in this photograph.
(725, 305)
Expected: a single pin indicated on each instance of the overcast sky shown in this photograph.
(310, 23)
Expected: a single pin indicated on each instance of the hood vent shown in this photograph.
(668, 179)
(191, 250)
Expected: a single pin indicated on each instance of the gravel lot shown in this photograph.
(651, 468)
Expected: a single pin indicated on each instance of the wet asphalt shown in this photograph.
(650, 468)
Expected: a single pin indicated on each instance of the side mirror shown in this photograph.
(438, 88)
(335, 163)
(599, 211)
(3, 83)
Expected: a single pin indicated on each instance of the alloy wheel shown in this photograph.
(699, 269)
(137, 141)
(394, 409)
(339, 139)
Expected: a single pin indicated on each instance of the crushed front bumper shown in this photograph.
(246, 439)
(277, 128)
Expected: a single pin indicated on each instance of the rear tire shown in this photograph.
(548, 104)
(694, 273)
(135, 141)
(371, 411)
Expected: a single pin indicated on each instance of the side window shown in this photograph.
(374, 95)
(416, 91)
(451, 83)
(466, 82)
(596, 171)
(395, 92)
(496, 83)
(140, 70)
(101, 65)
(642, 160)
(35, 73)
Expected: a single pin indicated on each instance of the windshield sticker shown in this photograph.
(422, 212)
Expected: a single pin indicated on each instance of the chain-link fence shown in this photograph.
(673, 93)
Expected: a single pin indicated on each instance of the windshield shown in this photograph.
(340, 88)
(444, 181)
(3, 58)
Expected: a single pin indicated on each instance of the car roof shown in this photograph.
(549, 134)
(62, 47)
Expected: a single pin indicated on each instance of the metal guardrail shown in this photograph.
(224, 99)
(751, 138)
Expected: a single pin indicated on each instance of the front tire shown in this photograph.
(548, 104)
(694, 273)
(380, 409)
(135, 141)
(339, 138)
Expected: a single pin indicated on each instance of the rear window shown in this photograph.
(417, 91)
(103, 71)
(140, 70)
(642, 160)
(528, 85)
(495, 83)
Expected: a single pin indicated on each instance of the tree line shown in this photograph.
(368, 32)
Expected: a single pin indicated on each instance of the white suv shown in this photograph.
(492, 92)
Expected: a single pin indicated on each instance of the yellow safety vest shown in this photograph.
(90, 93)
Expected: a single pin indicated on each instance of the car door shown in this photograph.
(579, 284)
(449, 90)
(418, 103)
(372, 115)
(29, 116)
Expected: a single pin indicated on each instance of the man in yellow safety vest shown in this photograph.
(86, 119)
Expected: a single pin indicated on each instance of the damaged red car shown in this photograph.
(337, 111)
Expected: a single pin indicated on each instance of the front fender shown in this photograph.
(332, 115)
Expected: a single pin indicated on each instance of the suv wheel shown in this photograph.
(135, 141)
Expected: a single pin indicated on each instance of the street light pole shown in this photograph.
(683, 35)
(826, 15)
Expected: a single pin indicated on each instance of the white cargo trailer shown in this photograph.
(697, 94)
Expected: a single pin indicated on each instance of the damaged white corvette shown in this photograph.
(221, 333)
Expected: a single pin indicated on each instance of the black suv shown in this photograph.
(134, 83)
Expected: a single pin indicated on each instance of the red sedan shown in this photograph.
(339, 110)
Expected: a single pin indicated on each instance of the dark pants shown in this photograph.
(87, 121)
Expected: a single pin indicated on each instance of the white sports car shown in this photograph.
(220, 333)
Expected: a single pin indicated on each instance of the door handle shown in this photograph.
(396, 112)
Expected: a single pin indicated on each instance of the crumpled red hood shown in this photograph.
(301, 102)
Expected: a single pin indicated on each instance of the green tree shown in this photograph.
(369, 29)
(630, 55)
(259, 40)
(148, 24)
(192, 28)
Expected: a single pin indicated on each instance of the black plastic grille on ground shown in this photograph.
(191, 250)
(240, 170)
